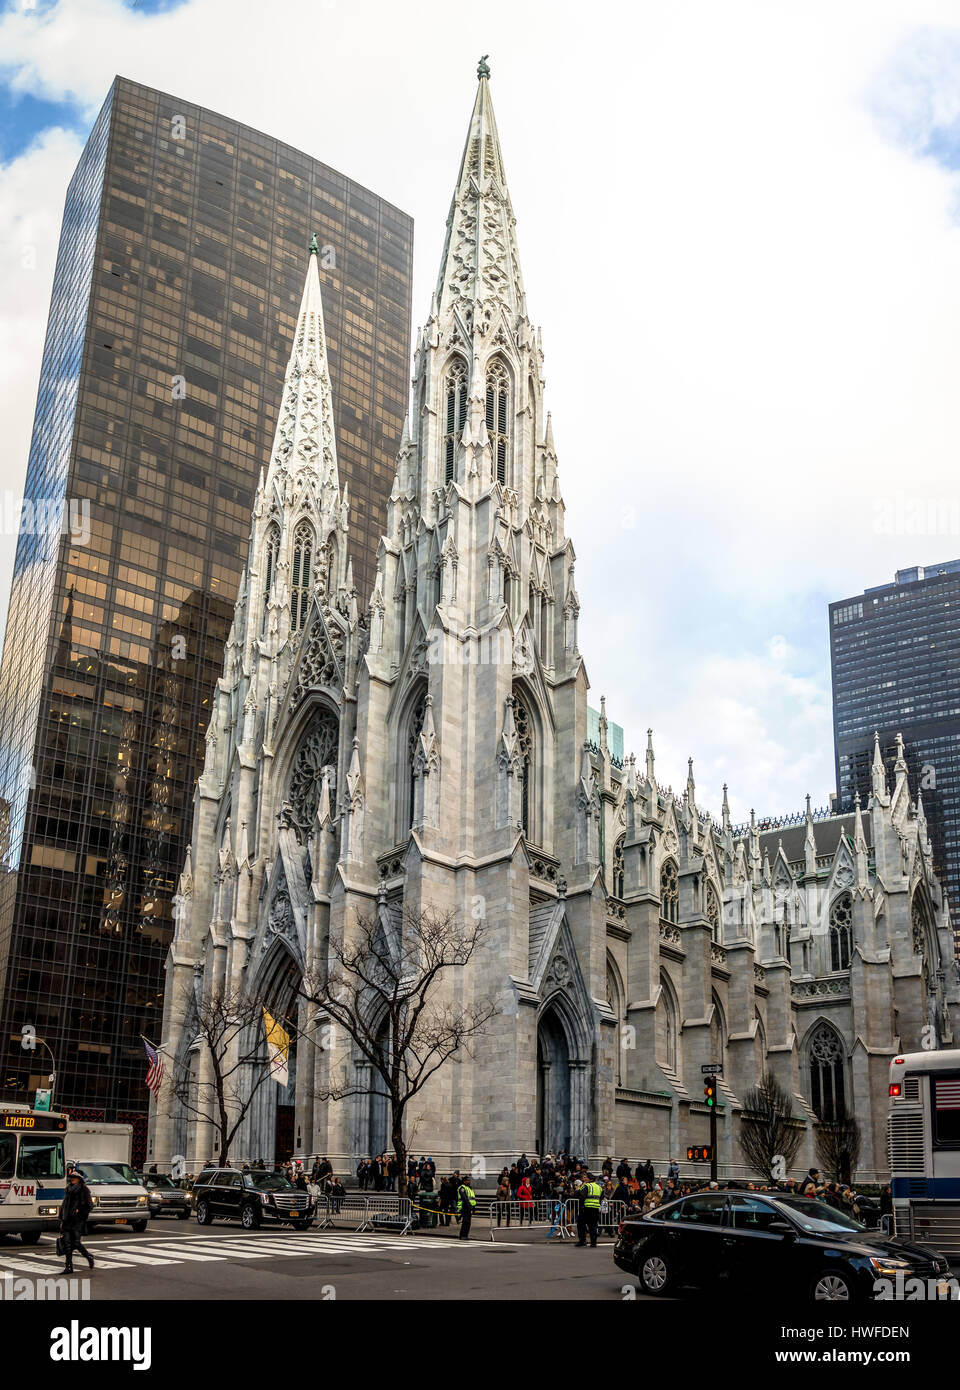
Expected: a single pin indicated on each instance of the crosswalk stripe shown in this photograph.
(27, 1266)
(162, 1248)
(139, 1259)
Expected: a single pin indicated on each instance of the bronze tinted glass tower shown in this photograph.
(175, 298)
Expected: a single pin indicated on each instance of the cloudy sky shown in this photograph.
(740, 231)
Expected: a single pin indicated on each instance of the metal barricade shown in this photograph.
(611, 1214)
(361, 1209)
(383, 1205)
(542, 1211)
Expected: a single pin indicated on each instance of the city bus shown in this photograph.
(923, 1148)
(31, 1171)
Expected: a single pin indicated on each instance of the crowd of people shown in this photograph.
(559, 1177)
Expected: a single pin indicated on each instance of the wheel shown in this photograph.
(833, 1286)
(655, 1274)
(301, 1225)
(182, 1215)
(249, 1217)
(138, 1225)
(30, 1237)
(204, 1215)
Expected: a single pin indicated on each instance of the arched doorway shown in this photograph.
(271, 1131)
(553, 1084)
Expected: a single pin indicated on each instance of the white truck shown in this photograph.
(102, 1152)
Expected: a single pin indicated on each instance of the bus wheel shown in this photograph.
(30, 1237)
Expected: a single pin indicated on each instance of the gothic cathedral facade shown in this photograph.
(432, 748)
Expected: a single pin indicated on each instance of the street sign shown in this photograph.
(712, 1069)
(41, 1100)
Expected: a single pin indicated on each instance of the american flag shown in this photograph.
(154, 1070)
(947, 1095)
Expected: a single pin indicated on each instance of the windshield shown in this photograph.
(40, 1157)
(160, 1182)
(267, 1182)
(108, 1173)
(818, 1216)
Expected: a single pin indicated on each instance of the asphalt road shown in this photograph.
(177, 1260)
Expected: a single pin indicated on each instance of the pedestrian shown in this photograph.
(466, 1205)
(673, 1171)
(588, 1218)
(445, 1198)
(76, 1206)
(525, 1198)
(503, 1198)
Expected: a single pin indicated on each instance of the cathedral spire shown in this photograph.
(304, 439)
(480, 266)
(650, 759)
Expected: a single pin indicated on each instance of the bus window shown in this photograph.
(8, 1149)
(946, 1111)
(41, 1156)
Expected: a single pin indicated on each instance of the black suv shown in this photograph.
(769, 1244)
(166, 1198)
(250, 1198)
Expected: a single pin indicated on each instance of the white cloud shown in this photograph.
(749, 294)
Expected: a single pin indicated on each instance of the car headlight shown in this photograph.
(49, 1211)
(95, 1201)
(143, 1200)
(889, 1265)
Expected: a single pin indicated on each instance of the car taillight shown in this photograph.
(894, 1088)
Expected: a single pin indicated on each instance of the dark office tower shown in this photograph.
(895, 658)
(175, 298)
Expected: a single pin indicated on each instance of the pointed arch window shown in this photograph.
(271, 550)
(615, 1000)
(498, 404)
(524, 726)
(666, 1028)
(454, 415)
(826, 1074)
(618, 867)
(669, 892)
(841, 933)
(413, 742)
(301, 575)
(712, 912)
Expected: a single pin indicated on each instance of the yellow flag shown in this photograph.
(278, 1049)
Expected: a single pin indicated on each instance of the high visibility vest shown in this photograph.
(592, 1192)
(471, 1198)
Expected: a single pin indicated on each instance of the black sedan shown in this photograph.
(165, 1197)
(769, 1244)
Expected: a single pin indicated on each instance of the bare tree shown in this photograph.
(381, 987)
(767, 1128)
(838, 1145)
(231, 1039)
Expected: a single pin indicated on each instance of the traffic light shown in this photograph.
(700, 1153)
(710, 1091)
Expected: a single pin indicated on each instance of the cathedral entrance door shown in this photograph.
(283, 1148)
(553, 1085)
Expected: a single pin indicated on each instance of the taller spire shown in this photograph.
(480, 265)
(304, 439)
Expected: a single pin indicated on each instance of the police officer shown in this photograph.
(466, 1205)
(588, 1217)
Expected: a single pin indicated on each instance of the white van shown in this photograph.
(102, 1153)
(119, 1197)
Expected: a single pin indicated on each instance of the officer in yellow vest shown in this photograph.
(588, 1217)
(466, 1205)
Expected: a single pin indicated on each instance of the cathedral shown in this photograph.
(431, 745)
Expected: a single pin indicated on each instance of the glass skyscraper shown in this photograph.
(175, 297)
(895, 661)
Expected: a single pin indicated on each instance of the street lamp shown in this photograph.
(28, 1041)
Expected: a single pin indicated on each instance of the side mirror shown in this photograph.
(781, 1228)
